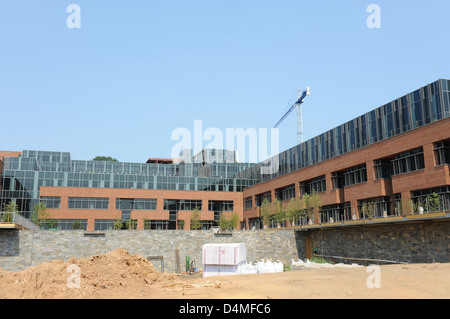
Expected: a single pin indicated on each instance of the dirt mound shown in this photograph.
(83, 278)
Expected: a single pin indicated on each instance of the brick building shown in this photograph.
(396, 154)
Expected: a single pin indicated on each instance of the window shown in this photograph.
(104, 224)
(432, 199)
(221, 205)
(206, 224)
(382, 169)
(144, 204)
(442, 152)
(189, 204)
(88, 203)
(64, 224)
(355, 175)
(335, 212)
(156, 224)
(255, 223)
(182, 204)
(408, 162)
(248, 203)
(285, 193)
(137, 203)
(316, 185)
(51, 202)
(375, 207)
(261, 197)
(337, 179)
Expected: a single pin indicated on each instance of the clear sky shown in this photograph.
(136, 70)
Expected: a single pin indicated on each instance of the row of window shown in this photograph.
(26, 173)
(432, 199)
(88, 203)
(405, 162)
(110, 224)
(137, 204)
(61, 162)
(425, 200)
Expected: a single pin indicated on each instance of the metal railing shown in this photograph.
(17, 219)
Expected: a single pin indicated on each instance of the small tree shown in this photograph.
(132, 223)
(76, 224)
(265, 212)
(234, 220)
(434, 202)
(368, 209)
(195, 219)
(181, 223)
(118, 224)
(294, 210)
(40, 213)
(52, 223)
(312, 204)
(406, 208)
(9, 209)
(224, 222)
(277, 212)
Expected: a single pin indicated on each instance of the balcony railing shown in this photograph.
(17, 219)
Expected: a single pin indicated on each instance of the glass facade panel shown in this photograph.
(421, 107)
(88, 203)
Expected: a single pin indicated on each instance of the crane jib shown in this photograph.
(300, 100)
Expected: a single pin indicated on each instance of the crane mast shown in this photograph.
(298, 106)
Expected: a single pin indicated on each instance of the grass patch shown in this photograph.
(320, 260)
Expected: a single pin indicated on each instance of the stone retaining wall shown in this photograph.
(22, 249)
(419, 242)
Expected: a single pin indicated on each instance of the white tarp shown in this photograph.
(300, 264)
(224, 254)
(223, 270)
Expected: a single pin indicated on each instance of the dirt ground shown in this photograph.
(120, 275)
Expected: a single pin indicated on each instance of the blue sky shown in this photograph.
(136, 70)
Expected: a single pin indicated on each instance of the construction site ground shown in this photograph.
(120, 275)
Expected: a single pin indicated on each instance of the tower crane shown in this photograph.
(298, 106)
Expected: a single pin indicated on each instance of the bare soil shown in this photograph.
(120, 275)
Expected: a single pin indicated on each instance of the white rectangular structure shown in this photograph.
(223, 259)
(224, 254)
(223, 270)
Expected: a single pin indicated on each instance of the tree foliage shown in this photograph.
(40, 213)
(195, 219)
(226, 223)
(105, 158)
(265, 212)
(312, 203)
